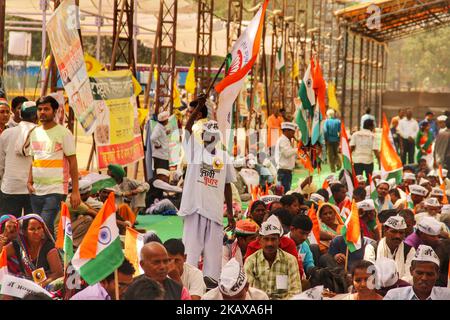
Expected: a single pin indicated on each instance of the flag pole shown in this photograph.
(116, 284)
(346, 260)
(215, 78)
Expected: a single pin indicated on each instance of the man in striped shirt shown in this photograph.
(52, 147)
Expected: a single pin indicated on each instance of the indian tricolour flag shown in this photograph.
(326, 186)
(100, 252)
(242, 57)
(351, 230)
(306, 91)
(279, 62)
(391, 165)
(3, 264)
(346, 159)
(64, 238)
(442, 185)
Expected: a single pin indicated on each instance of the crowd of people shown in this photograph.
(287, 244)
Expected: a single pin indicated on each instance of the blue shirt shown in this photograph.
(305, 252)
(332, 129)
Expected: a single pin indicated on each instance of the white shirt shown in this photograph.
(252, 294)
(364, 143)
(206, 176)
(408, 128)
(407, 293)
(159, 138)
(14, 166)
(166, 186)
(402, 268)
(192, 279)
(285, 154)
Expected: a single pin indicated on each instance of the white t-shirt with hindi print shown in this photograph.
(204, 184)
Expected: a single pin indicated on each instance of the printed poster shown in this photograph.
(117, 135)
(62, 30)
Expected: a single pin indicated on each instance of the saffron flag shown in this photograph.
(134, 241)
(64, 238)
(306, 91)
(332, 100)
(3, 264)
(351, 230)
(314, 236)
(100, 252)
(320, 88)
(305, 160)
(243, 55)
(346, 159)
(346, 209)
(391, 165)
(190, 84)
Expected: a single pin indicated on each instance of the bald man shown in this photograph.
(155, 263)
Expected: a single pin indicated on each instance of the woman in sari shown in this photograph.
(330, 223)
(33, 249)
(424, 140)
(8, 229)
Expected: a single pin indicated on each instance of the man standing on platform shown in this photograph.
(285, 155)
(408, 128)
(208, 180)
(331, 131)
(160, 142)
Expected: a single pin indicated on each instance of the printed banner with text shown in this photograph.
(117, 135)
(66, 47)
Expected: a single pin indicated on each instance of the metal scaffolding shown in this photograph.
(204, 44)
(123, 14)
(165, 54)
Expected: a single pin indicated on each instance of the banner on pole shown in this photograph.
(117, 135)
(68, 53)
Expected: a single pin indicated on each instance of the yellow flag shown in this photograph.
(137, 86)
(332, 101)
(176, 94)
(92, 65)
(155, 75)
(295, 71)
(142, 115)
(190, 79)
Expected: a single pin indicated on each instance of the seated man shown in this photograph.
(271, 269)
(233, 285)
(158, 199)
(427, 232)
(185, 274)
(367, 218)
(301, 227)
(246, 231)
(424, 270)
(128, 188)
